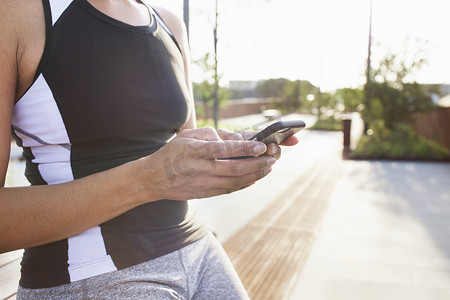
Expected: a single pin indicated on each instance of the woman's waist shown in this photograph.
(144, 233)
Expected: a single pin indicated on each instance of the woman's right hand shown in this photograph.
(195, 164)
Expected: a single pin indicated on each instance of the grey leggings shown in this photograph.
(200, 270)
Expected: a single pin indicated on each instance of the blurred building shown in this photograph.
(441, 98)
(445, 90)
(444, 100)
(243, 89)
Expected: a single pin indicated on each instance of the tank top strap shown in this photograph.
(163, 25)
(57, 7)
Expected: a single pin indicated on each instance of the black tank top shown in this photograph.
(105, 93)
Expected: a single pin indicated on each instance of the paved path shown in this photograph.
(10, 262)
(386, 235)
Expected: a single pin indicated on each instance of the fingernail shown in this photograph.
(275, 151)
(267, 171)
(259, 149)
(271, 161)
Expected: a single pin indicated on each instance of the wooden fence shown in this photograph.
(434, 125)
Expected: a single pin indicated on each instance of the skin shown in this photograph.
(38, 215)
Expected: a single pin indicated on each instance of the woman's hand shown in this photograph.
(273, 150)
(194, 165)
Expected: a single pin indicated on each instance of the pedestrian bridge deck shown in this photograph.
(270, 252)
(9, 274)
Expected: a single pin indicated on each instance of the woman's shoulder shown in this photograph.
(23, 38)
(173, 21)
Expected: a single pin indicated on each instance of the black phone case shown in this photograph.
(279, 131)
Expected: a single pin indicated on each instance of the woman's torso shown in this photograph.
(105, 93)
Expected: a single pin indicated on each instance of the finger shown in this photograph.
(204, 134)
(230, 184)
(214, 192)
(219, 191)
(239, 167)
(239, 182)
(229, 135)
(247, 134)
(291, 141)
(274, 150)
(228, 149)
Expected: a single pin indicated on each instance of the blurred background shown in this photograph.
(324, 41)
(386, 60)
(360, 209)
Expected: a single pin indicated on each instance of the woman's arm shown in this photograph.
(37, 215)
(32, 216)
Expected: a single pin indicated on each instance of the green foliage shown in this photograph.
(291, 95)
(272, 87)
(210, 123)
(399, 142)
(393, 104)
(390, 95)
(204, 91)
(325, 104)
(350, 98)
(330, 123)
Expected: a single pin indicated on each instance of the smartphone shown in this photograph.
(278, 131)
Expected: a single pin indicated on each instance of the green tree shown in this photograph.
(391, 94)
(324, 103)
(204, 91)
(350, 98)
(272, 87)
(291, 95)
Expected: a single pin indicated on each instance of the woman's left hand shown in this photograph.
(273, 149)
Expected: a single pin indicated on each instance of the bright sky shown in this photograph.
(323, 41)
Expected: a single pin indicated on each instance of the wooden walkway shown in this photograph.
(269, 253)
(9, 274)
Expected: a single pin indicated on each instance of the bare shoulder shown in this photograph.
(8, 77)
(10, 13)
(14, 15)
(175, 24)
(169, 16)
(23, 38)
(21, 43)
